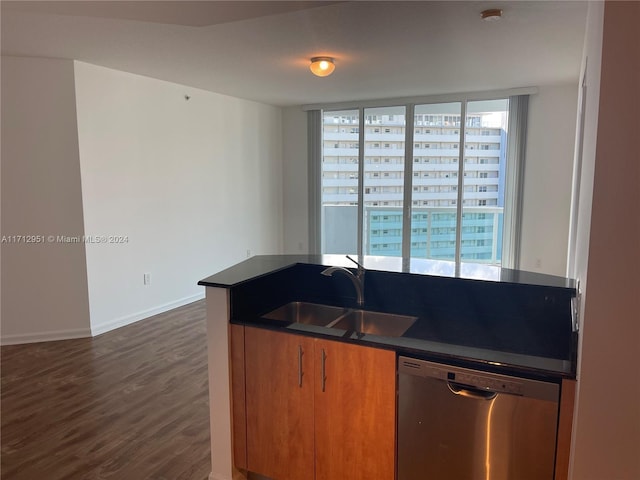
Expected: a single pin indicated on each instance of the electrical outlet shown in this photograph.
(538, 263)
(147, 279)
(248, 253)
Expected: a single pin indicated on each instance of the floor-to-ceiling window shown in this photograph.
(420, 180)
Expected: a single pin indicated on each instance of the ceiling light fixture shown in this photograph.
(491, 15)
(322, 66)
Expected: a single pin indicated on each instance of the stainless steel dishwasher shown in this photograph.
(461, 424)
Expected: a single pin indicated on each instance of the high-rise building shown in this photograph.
(435, 172)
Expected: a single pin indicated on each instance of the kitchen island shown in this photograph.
(487, 318)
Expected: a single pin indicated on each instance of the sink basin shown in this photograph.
(374, 323)
(306, 313)
(361, 321)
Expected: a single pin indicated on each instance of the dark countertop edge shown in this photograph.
(251, 269)
(261, 265)
(537, 368)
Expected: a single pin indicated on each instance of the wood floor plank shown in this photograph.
(129, 404)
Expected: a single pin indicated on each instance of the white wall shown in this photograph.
(194, 186)
(548, 173)
(295, 186)
(550, 146)
(44, 285)
(607, 419)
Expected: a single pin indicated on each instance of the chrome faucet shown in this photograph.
(357, 279)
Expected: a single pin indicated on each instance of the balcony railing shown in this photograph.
(433, 232)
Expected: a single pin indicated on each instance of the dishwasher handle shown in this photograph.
(465, 391)
(469, 382)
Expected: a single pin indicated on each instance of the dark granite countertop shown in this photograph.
(481, 317)
(260, 265)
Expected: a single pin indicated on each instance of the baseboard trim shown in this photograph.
(136, 317)
(213, 476)
(45, 336)
(95, 329)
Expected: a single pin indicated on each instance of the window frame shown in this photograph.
(513, 176)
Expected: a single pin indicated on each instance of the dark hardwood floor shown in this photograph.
(129, 404)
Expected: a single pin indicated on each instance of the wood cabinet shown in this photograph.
(315, 405)
(355, 415)
(279, 404)
(565, 420)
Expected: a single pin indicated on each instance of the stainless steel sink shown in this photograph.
(306, 313)
(361, 321)
(374, 323)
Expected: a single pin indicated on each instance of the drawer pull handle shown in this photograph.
(322, 372)
(300, 373)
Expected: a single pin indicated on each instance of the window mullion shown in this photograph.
(461, 147)
(315, 133)
(360, 180)
(408, 181)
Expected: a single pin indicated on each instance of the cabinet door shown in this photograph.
(355, 412)
(279, 399)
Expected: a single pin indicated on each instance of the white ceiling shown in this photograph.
(260, 50)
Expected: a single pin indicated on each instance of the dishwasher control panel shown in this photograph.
(485, 381)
